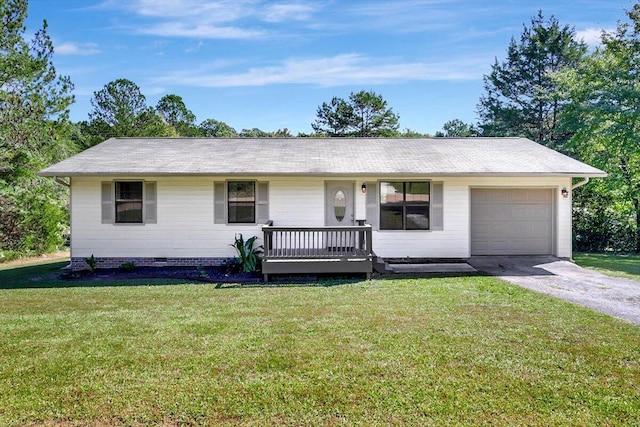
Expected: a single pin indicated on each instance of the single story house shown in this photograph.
(318, 203)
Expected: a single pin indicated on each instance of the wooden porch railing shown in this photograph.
(293, 250)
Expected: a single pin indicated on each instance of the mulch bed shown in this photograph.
(201, 274)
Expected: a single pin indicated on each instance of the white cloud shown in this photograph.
(82, 49)
(154, 90)
(213, 11)
(202, 31)
(288, 11)
(195, 48)
(339, 70)
(222, 19)
(591, 36)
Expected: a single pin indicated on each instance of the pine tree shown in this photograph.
(521, 98)
(34, 132)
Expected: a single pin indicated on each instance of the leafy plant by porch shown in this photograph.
(247, 253)
(441, 351)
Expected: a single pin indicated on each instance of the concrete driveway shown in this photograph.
(565, 280)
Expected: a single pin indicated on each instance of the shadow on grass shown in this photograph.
(403, 276)
(629, 264)
(49, 275)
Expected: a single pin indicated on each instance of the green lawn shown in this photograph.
(614, 265)
(434, 351)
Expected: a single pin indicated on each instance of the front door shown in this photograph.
(339, 203)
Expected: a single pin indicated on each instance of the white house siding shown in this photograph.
(185, 226)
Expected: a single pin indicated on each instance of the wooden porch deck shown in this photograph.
(313, 250)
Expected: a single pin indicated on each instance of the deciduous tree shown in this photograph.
(605, 111)
(212, 128)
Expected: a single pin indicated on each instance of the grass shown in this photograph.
(466, 351)
(614, 265)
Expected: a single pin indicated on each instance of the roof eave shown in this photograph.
(45, 173)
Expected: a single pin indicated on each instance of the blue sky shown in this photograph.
(270, 64)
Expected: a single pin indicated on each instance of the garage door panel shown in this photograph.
(489, 211)
(539, 196)
(511, 221)
(531, 212)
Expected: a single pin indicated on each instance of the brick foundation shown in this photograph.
(78, 264)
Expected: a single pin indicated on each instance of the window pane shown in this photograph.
(417, 192)
(339, 205)
(390, 217)
(241, 197)
(242, 191)
(391, 192)
(241, 212)
(128, 190)
(129, 212)
(417, 217)
(129, 202)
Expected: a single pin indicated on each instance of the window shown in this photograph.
(241, 202)
(404, 205)
(128, 202)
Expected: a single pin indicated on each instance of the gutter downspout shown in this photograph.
(579, 184)
(61, 181)
(573, 187)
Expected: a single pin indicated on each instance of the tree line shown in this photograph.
(549, 88)
(120, 109)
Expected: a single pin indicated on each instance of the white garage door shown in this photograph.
(511, 222)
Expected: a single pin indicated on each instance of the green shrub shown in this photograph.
(6, 256)
(91, 262)
(33, 217)
(248, 255)
(127, 266)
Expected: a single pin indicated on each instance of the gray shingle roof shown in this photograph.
(323, 156)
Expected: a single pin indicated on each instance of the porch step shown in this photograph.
(379, 266)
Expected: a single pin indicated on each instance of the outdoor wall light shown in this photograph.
(565, 192)
(364, 187)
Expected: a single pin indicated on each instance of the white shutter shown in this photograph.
(262, 203)
(219, 203)
(108, 208)
(372, 205)
(150, 203)
(437, 207)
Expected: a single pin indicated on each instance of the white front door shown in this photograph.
(339, 203)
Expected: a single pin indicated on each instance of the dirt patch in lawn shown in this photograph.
(54, 256)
